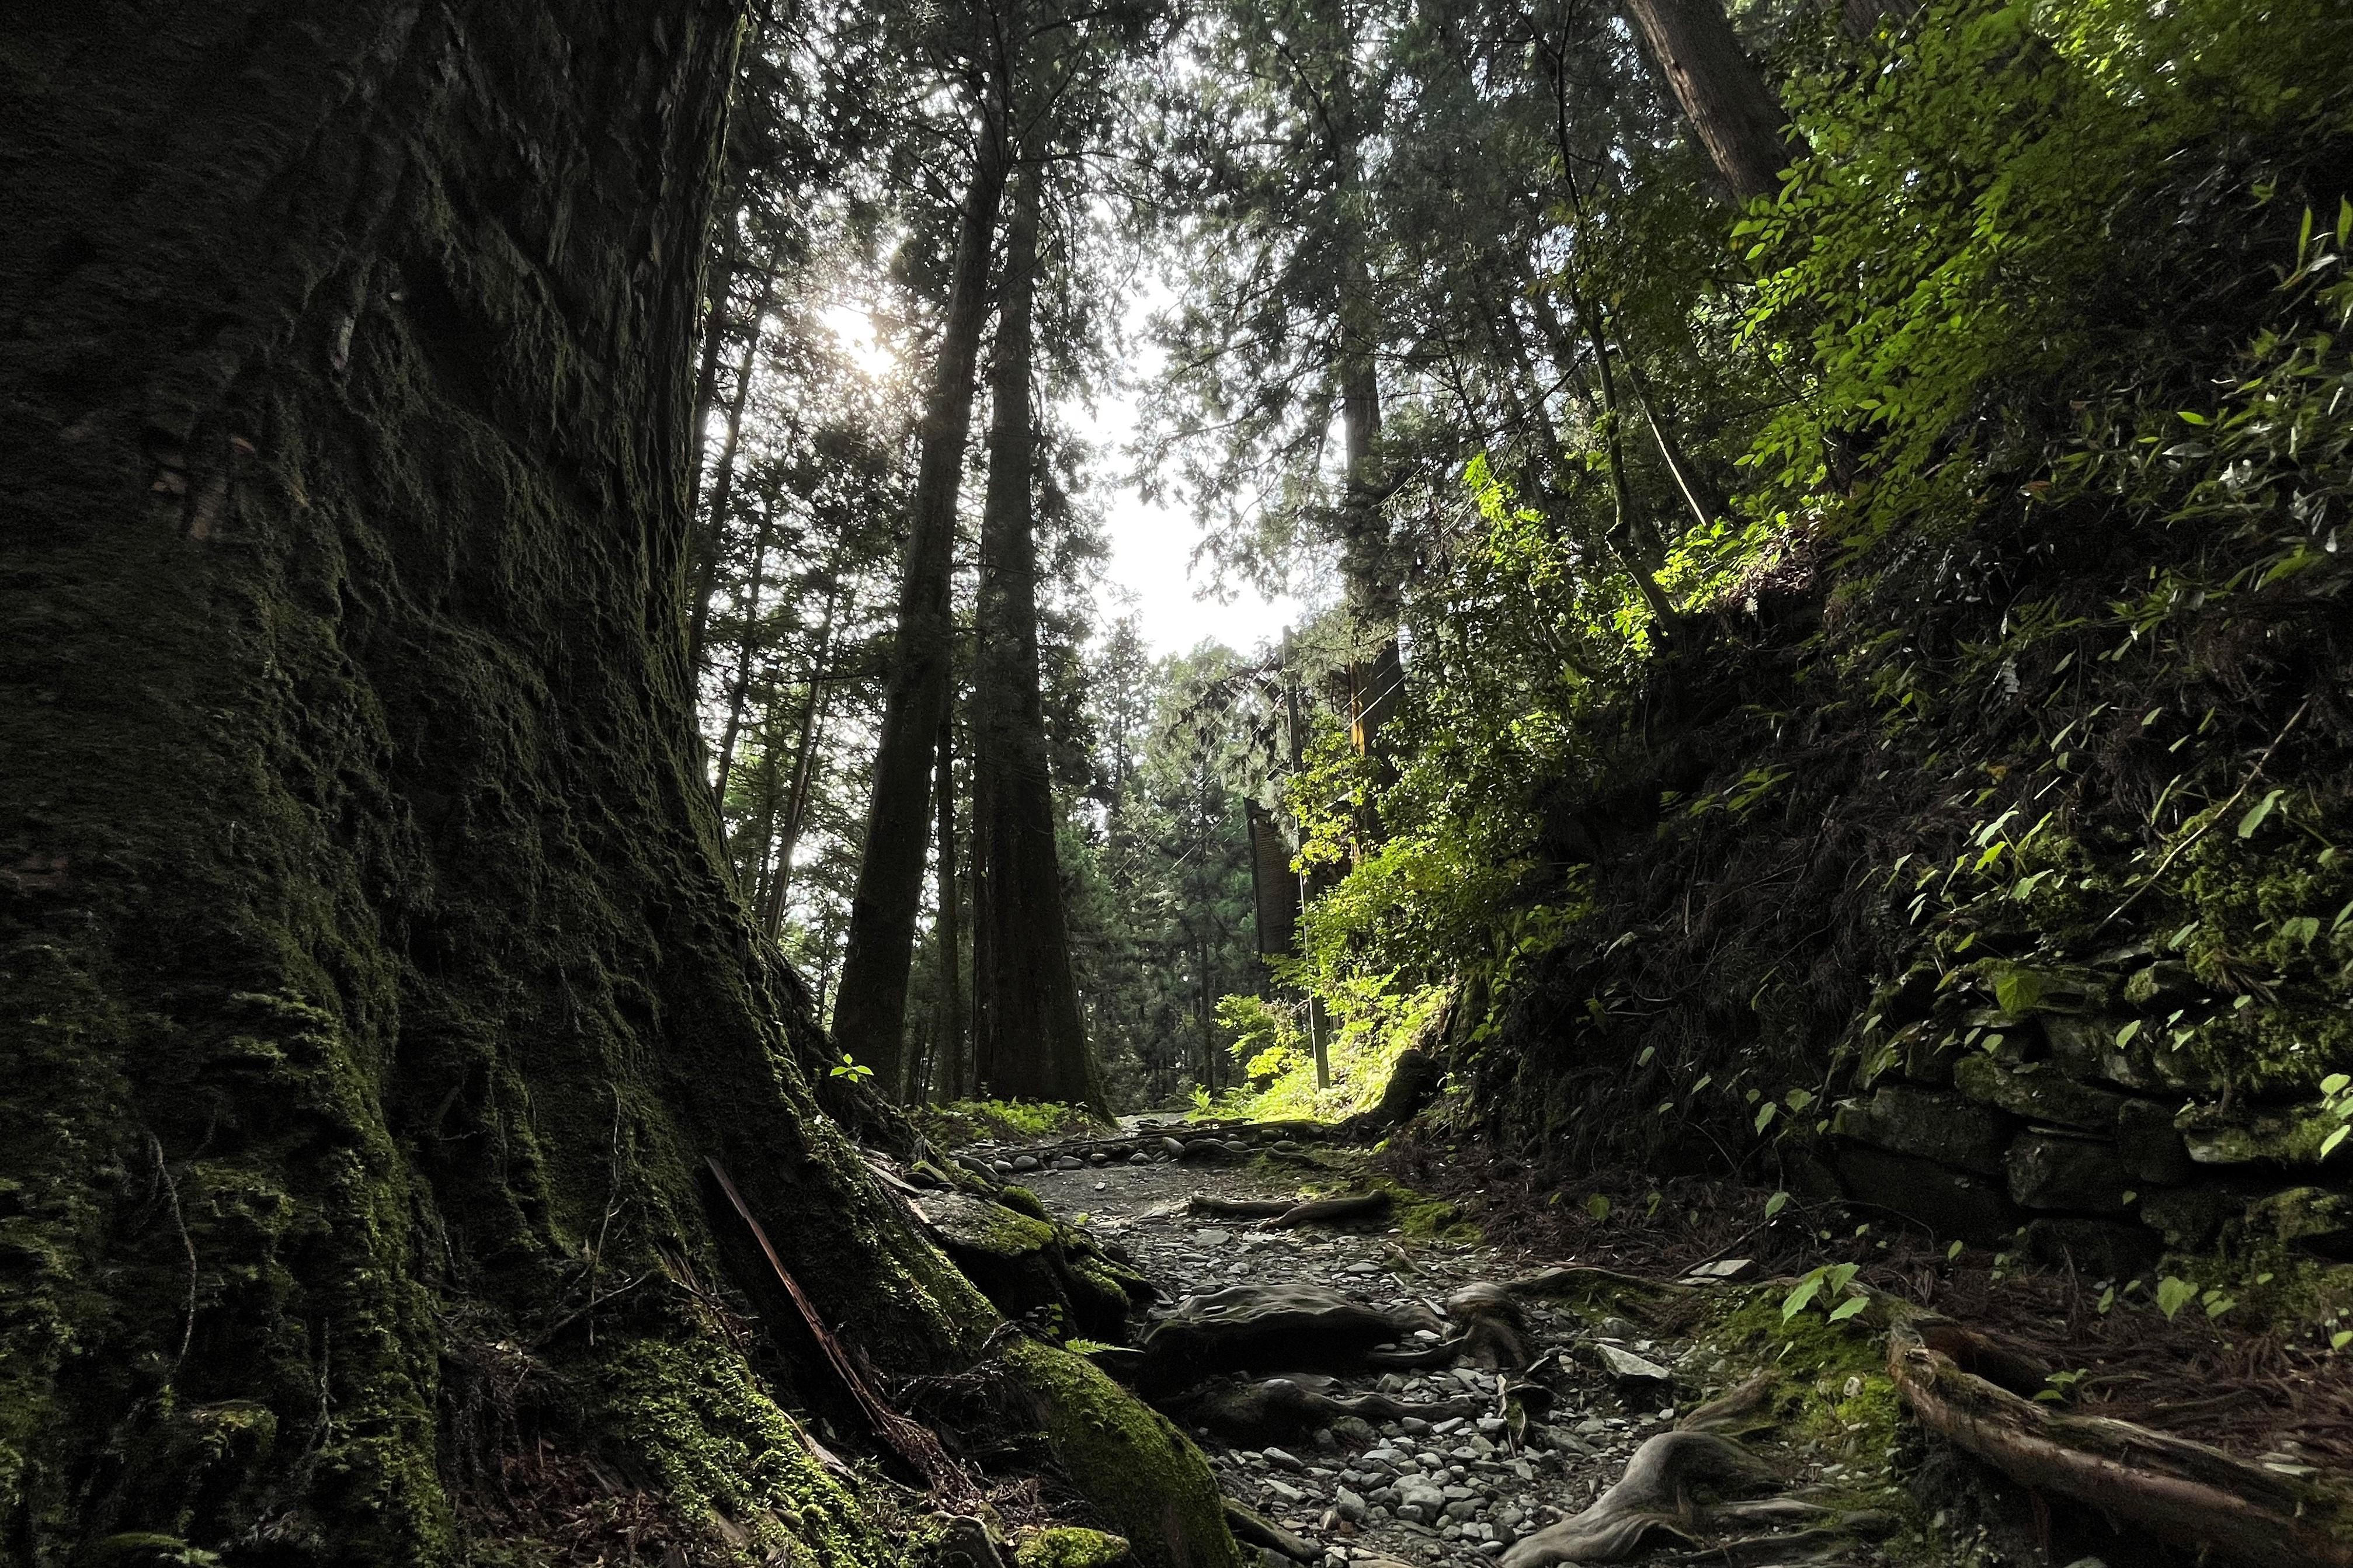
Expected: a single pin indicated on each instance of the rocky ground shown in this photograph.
(1461, 1490)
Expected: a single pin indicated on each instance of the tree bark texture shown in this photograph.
(870, 1015)
(1031, 1038)
(370, 987)
(1735, 114)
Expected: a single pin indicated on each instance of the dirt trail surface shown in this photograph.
(1481, 1476)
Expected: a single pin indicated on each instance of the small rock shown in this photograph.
(1173, 1149)
(1025, 1161)
(1139, 1158)
(1287, 1460)
(1723, 1270)
(1213, 1237)
(1628, 1367)
(1067, 1162)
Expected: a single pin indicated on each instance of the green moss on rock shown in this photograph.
(1138, 1472)
(1069, 1546)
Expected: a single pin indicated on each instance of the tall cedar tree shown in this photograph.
(1030, 1039)
(870, 1011)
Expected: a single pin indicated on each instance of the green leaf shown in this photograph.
(1597, 1206)
(2257, 813)
(2328, 1145)
(2125, 1035)
(2173, 1294)
(2017, 990)
(1776, 1203)
(1840, 1278)
(1798, 1298)
(1954, 1250)
(2340, 1339)
(1765, 1115)
(1848, 1308)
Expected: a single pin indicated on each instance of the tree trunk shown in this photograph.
(869, 1013)
(371, 986)
(1735, 115)
(742, 684)
(714, 344)
(948, 1075)
(805, 748)
(1367, 566)
(1031, 1035)
(708, 539)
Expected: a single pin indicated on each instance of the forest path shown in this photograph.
(1414, 1491)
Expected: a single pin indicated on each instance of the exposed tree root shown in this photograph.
(2178, 1492)
(1651, 1504)
(1268, 1328)
(1744, 1409)
(1330, 1211)
(1254, 1529)
(1240, 1208)
(1252, 1415)
(1492, 1331)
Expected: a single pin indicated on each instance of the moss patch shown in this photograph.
(1069, 1546)
(1002, 1122)
(1141, 1474)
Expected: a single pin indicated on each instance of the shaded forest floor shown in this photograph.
(1627, 1344)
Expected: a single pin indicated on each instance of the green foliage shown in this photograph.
(1831, 1289)
(1000, 1121)
(2016, 203)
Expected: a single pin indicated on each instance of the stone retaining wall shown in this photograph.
(2078, 1104)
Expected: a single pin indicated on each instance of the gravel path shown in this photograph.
(1410, 1491)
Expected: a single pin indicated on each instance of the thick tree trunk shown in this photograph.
(370, 983)
(1735, 114)
(870, 1015)
(1031, 1038)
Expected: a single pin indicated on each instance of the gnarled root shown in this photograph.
(1253, 1528)
(1652, 1502)
(1330, 1211)
(1253, 1415)
(2178, 1492)
(1267, 1328)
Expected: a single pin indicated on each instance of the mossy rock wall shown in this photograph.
(371, 990)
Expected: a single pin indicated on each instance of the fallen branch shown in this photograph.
(911, 1442)
(2182, 1492)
